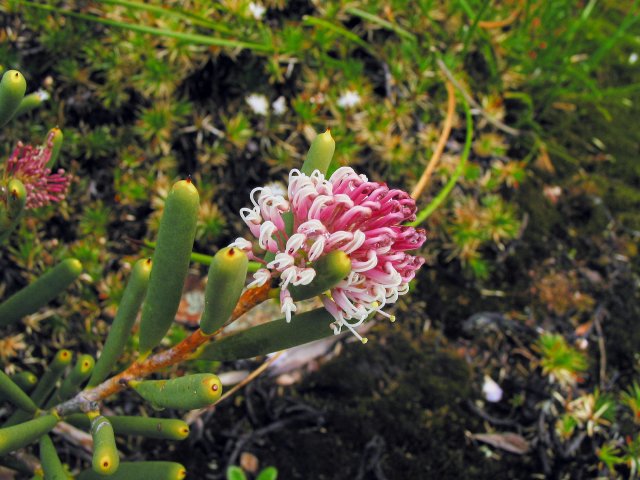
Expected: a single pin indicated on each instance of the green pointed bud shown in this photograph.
(269, 473)
(32, 101)
(235, 473)
(18, 436)
(270, 337)
(105, 459)
(170, 263)
(71, 384)
(39, 293)
(25, 380)
(186, 393)
(51, 464)
(56, 137)
(14, 394)
(330, 269)
(150, 427)
(227, 275)
(120, 331)
(140, 470)
(12, 89)
(320, 154)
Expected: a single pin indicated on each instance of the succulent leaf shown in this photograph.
(12, 89)
(39, 293)
(187, 392)
(270, 337)
(18, 436)
(150, 427)
(123, 322)
(105, 459)
(170, 263)
(133, 470)
(227, 275)
(51, 464)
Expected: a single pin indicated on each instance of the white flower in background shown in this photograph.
(633, 58)
(257, 10)
(258, 103)
(279, 106)
(491, 390)
(349, 99)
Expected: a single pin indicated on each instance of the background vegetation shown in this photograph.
(532, 274)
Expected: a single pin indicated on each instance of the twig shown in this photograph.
(600, 312)
(442, 142)
(87, 399)
(508, 20)
(195, 414)
(495, 122)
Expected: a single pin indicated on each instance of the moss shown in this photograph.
(396, 408)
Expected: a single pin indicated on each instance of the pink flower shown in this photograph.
(345, 212)
(28, 164)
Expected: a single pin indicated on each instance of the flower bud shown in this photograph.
(12, 89)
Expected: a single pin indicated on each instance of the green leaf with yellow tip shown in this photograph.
(71, 384)
(227, 274)
(56, 137)
(12, 89)
(18, 436)
(31, 102)
(320, 154)
(120, 330)
(186, 393)
(31, 298)
(330, 269)
(270, 337)
(51, 375)
(51, 464)
(150, 427)
(14, 394)
(105, 459)
(25, 380)
(141, 470)
(170, 263)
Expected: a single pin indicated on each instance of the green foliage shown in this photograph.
(559, 361)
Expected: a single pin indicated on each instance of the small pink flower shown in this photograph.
(28, 164)
(345, 212)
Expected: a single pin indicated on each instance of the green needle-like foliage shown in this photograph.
(71, 384)
(270, 337)
(105, 459)
(330, 269)
(21, 435)
(170, 263)
(12, 89)
(186, 393)
(227, 275)
(13, 393)
(51, 464)
(39, 293)
(160, 428)
(123, 322)
(139, 470)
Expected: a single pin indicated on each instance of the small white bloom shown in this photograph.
(491, 390)
(258, 103)
(279, 106)
(257, 10)
(44, 95)
(633, 58)
(349, 99)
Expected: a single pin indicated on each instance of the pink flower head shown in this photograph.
(345, 212)
(28, 164)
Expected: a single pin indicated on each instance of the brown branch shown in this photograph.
(442, 141)
(488, 24)
(178, 353)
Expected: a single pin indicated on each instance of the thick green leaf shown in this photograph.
(271, 337)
